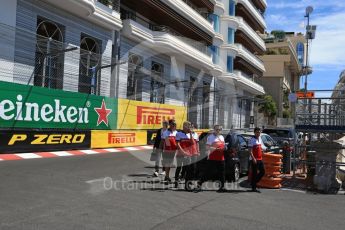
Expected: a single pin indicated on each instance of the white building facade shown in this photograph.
(201, 54)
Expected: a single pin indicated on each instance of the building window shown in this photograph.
(193, 96)
(300, 53)
(205, 104)
(230, 64)
(135, 63)
(231, 36)
(157, 92)
(232, 7)
(214, 20)
(89, 65)
(215, 54)
(49, 58)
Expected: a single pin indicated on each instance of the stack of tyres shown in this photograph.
(272, 178)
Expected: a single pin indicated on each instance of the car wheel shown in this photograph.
(189, 185)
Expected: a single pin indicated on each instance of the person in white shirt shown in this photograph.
(169, 148)
(215, 145)
(256, 147)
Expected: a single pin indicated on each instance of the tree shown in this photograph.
(279, 34)
(268, 107)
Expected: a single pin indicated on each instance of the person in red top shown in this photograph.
(169, 148)
(256, 150)
(195, 151)
(184, 152)
(215, 146)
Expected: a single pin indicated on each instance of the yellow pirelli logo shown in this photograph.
(117, 138)
(153, 116)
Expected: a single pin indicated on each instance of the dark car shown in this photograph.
(270, 144)
(282, 135)
(236, 155)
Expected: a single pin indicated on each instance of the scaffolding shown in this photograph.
(320, 123)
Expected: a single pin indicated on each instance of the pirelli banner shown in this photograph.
(152, 134)
(43, 141)
(146, 115)
(108, 139)
(23, 106)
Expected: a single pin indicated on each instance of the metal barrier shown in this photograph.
(322, 122)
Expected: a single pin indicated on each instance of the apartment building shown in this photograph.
(241, 26)
(284, 60)
(197, 54)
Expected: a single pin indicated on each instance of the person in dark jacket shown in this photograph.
(158, 148)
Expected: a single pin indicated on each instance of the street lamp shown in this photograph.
(310, 34)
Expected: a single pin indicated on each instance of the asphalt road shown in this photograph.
(116, 191)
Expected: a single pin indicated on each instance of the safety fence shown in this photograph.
(320, 123)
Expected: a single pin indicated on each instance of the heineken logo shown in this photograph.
(31, 111)
(103, 114)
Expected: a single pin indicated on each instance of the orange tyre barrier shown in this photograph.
(275, 168)
(270, 179)
(273, 163)
(269, 184)
(270, 172)
(272, 156)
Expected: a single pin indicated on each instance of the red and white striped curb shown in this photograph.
(22, 156)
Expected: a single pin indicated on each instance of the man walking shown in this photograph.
(169, 148)
(256, 147)
(158, 148)
(185, 144)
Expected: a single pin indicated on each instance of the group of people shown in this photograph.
(184, 146)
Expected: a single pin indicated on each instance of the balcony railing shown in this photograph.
(259, 15)
(200, 46)
(259, 11)
(113, 4)
(201, 11)
(250, 30)
(250, 53)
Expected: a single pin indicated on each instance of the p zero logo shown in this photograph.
(121, 138)
(153, 116)
(47, 139)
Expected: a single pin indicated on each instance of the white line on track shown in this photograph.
(293, 190)
(131, 148)
(147, 147)
(112, 150)
(28, 155)
(88, 151)
(62, 153)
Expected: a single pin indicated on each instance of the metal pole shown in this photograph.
(241, 114)
(307, 57)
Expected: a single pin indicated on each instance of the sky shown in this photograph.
(327, 50)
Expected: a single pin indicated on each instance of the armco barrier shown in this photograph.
(273, 163)
(17, 141)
